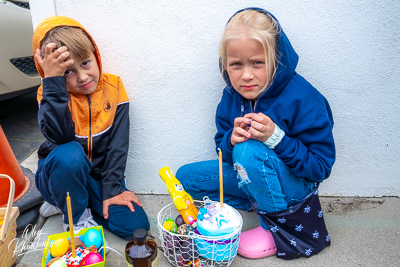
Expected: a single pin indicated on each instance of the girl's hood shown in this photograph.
(287, 62)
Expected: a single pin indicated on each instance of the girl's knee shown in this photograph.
(245, 153)
(250, 155)
(251, 151)
(183, 172)
(194, 171)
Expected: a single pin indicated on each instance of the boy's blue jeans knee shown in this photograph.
(66, 169)
(258, 175)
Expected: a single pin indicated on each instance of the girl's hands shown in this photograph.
(257, 126)
(262, 127)
(53, 63)
(240, 131)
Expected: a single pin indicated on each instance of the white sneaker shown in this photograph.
(47, 210)
(85, 221)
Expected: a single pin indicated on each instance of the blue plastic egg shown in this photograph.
(93, 237)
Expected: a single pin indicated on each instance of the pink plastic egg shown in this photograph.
(93, 258)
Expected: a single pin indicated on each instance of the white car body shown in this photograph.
(18, 73)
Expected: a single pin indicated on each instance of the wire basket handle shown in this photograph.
(4, 229)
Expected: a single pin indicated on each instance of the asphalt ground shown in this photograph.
(18, 119)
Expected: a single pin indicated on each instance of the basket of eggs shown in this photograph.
(88, 244)
(212, 240)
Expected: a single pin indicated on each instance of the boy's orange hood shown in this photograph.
(51, 23)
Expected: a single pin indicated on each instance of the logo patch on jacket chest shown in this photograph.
(108, 106)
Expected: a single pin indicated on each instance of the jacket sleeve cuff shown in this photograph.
(54, 84)
(111, 190)
(275, 138)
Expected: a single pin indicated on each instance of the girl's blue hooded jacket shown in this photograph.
(292, 103)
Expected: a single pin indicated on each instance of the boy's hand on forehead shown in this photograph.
(262, 127)
(54, 62)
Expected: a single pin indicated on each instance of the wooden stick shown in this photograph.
(221, 182)
(71, 225)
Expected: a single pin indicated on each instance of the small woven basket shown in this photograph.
(8, 231)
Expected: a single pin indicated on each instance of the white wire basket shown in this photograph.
(194, 249)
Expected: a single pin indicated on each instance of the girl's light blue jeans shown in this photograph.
(258, 178)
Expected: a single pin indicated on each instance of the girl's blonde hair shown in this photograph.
(256, 25)
(75, 39)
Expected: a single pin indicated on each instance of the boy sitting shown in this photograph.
(84, 116)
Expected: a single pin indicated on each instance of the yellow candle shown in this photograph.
(71, 225)
(221, 183)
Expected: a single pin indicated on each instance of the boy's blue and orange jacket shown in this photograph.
(98, 122)
(303, 113)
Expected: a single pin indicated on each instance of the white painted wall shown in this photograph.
(167, 55)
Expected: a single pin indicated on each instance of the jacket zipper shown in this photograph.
(90, 130)
(252, 107)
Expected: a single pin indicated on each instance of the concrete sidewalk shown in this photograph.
(363, 231)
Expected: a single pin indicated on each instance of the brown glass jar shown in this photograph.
(141, 251)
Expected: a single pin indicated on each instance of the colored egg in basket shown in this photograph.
(179, 220)
(170, 225)
(59, 247)
(185, 229)
(59, 263)
(93, 237)
(93, 258)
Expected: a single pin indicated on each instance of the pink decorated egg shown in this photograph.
(93, 258)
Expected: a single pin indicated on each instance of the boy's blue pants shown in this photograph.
(66, 169)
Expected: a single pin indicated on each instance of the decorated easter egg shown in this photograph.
(184, 229)
(92, 237)
(59, 263)
(93, 258)
(179, 220)
(59, 247)
(170, 225)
